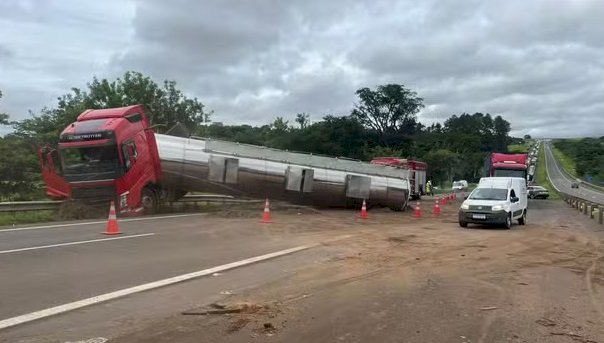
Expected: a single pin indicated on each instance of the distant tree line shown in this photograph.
(382, 123)
(588, 155)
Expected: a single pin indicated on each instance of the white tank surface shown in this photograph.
(216, 166)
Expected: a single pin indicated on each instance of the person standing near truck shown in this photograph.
(429, 188)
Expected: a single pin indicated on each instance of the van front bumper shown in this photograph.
(467, 216)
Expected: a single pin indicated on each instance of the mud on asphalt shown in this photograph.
(393, 278)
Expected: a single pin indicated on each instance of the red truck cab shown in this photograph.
(507, 165)
(105, 155)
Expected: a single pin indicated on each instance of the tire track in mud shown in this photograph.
(593, 293)
(490, 317)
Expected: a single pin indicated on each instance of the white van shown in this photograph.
(496, 200)
(460, 185)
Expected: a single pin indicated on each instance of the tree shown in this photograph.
(441, 163)
(165, 105)
(501, 129)
(390, 108)
(526, 137)
(3, 116)
(303, 120)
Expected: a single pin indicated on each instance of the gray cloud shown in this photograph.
(540, 64)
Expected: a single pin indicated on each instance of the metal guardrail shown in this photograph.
(51, 205)
(594, 210)
(23, 206)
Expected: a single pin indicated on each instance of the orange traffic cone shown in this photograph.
(266, 215)
(418, 211)
(437, 207)
(444, 199)
(363, 214)
(112, 227)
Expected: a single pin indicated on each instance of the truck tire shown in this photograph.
(149, 201)
(522, 220)
(508, 222)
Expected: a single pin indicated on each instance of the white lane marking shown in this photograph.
(6, 323)
(99, 222)
(74, 243)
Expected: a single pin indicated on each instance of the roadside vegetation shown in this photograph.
(15, 218)
(583, 158)
(383, 122)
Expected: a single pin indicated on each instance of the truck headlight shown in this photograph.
(497, 208)
(465, 206)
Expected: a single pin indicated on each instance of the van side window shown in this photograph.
(512, 194)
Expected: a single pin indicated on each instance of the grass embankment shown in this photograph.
(541, 175)
(14, 218)
(519, 148)
(566, 162)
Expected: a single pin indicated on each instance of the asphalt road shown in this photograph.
(56, 265)
(563, 183)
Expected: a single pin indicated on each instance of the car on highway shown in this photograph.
(460, 185)
(537, 192)
(574, 185)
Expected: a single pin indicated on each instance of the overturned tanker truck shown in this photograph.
(113, 154)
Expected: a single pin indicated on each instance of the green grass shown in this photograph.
(541, 176)
(14, 218)
(567, 163)
(519, 148)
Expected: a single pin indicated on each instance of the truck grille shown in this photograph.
(480, 208)
(93, 194)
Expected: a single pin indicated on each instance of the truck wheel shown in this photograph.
(463, 224)
(508, 222)
(149, 201)
(522, 220)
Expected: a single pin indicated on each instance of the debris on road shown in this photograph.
(574, 337)
(227, 293)
(217, 308)
(218, 305)
(92, 340)
(488, 308)
(545, 322)
(216, 274)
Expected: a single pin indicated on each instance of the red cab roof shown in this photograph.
(118, 112)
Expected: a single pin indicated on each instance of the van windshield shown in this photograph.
(489, 194)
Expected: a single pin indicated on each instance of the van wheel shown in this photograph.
(463, 224)
(149, 201)
(508, 222)
(522, 220)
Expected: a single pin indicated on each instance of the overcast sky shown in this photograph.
(539, 64)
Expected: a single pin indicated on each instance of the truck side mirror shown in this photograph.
(514, 199)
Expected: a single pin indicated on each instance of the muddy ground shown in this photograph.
(399, 279)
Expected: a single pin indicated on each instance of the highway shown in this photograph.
(59, 265)
(563, 183)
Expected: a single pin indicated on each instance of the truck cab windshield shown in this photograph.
(90, 163)
(510, 173)
(489, 194)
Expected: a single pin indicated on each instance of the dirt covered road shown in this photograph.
(397, 279)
